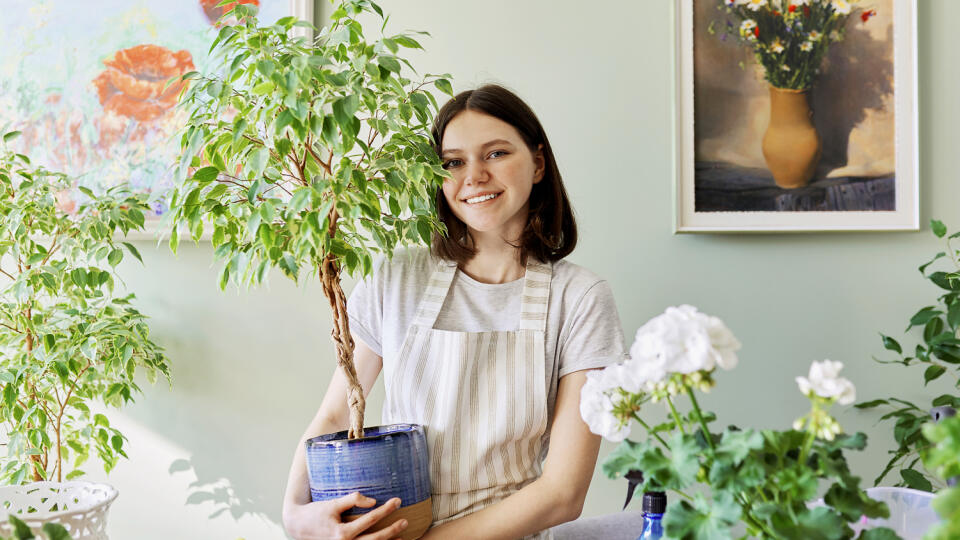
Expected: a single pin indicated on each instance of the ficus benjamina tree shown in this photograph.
(309, 155)
(66, 340)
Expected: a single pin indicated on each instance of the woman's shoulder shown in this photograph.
(573, 283)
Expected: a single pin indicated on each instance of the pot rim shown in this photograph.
(339, 438)
(43, 517)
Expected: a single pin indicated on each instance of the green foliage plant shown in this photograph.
(938, 353)
(311, 155)
(767, 480)
(66, 340)
(944, 459)
(788, 38)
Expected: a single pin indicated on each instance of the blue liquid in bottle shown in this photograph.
(654, 506)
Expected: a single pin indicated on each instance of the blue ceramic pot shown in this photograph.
(389, 461)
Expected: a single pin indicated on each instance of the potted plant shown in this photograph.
(66, 339)
(944, 459)
(766, 480)
(790, 38)
(938, 353)
(310, 156)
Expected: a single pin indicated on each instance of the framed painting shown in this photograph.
(85, 84)
(796, 115)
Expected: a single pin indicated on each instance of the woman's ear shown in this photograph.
(539, 164)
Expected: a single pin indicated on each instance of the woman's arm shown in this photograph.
(557, 496)
(299, 518)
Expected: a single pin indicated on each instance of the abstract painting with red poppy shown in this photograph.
(86, 84)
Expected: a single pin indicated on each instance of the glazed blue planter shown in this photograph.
(389, 461)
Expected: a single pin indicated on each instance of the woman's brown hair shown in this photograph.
(551, 231)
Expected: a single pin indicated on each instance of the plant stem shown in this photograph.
(703, 424)
(676, 416)
(649, 430)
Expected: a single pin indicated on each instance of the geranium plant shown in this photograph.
(765, 479)
(309, 155)
(789, 38)
(937, 353)
(944, 459)
(66, 340)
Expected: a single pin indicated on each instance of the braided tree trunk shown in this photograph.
(330, 277)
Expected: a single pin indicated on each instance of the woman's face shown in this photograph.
(493, 172)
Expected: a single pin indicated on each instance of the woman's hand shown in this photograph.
(321, 520)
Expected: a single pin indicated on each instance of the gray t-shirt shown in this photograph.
(583, 328)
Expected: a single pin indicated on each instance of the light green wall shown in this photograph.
(250, 367)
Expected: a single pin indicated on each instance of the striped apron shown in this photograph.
(481, 396)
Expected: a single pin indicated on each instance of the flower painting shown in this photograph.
(86, 84)
(797, 115)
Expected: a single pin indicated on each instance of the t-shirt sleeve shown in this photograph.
(365, 309)
(592, 336)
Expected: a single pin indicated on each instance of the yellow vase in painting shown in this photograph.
(791, 145)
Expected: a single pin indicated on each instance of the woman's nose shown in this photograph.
(475, 172)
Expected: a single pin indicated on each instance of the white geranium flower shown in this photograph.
(777, 46)
(596, 406)
(683, 340)
(806, 46)
(841, 7)
(638, 375)
(755, 5)
(825, 381)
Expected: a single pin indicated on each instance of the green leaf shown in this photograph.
(116, 255)
(938, 228)
(932, 373)
(206, 174)
(258, 160)
(343, 111)
(89, 348)
(444, 86)
(704, 520)
(891, 344)
(871, 404)
(879, 533)
(133, 250)
(20, 528)
(264, 88)
(79, 277)
(923, 316)
(389, 63)
(55, 531)
(915, 480)
(11, 135)
(266, 67)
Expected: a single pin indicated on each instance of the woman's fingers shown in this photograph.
(347, 502)
(392, 531)
(354, 528)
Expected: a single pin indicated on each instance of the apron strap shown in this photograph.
(533, 302)
(435, 294)
(536, 296)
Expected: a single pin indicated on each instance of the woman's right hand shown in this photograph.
(321, 520)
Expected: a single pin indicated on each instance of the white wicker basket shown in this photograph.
(81, 507)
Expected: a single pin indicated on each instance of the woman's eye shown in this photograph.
(497, 153)
(451, 163)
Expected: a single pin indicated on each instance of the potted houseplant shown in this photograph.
(766, 480)
(66, 340)
(790, 38)
(938, 353)
(311, 157)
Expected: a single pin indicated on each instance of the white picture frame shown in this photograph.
(905, 212)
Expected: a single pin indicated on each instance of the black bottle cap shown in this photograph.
(654, 502)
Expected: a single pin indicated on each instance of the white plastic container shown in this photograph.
(911, 513)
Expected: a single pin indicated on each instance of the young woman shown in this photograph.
(485, 340)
